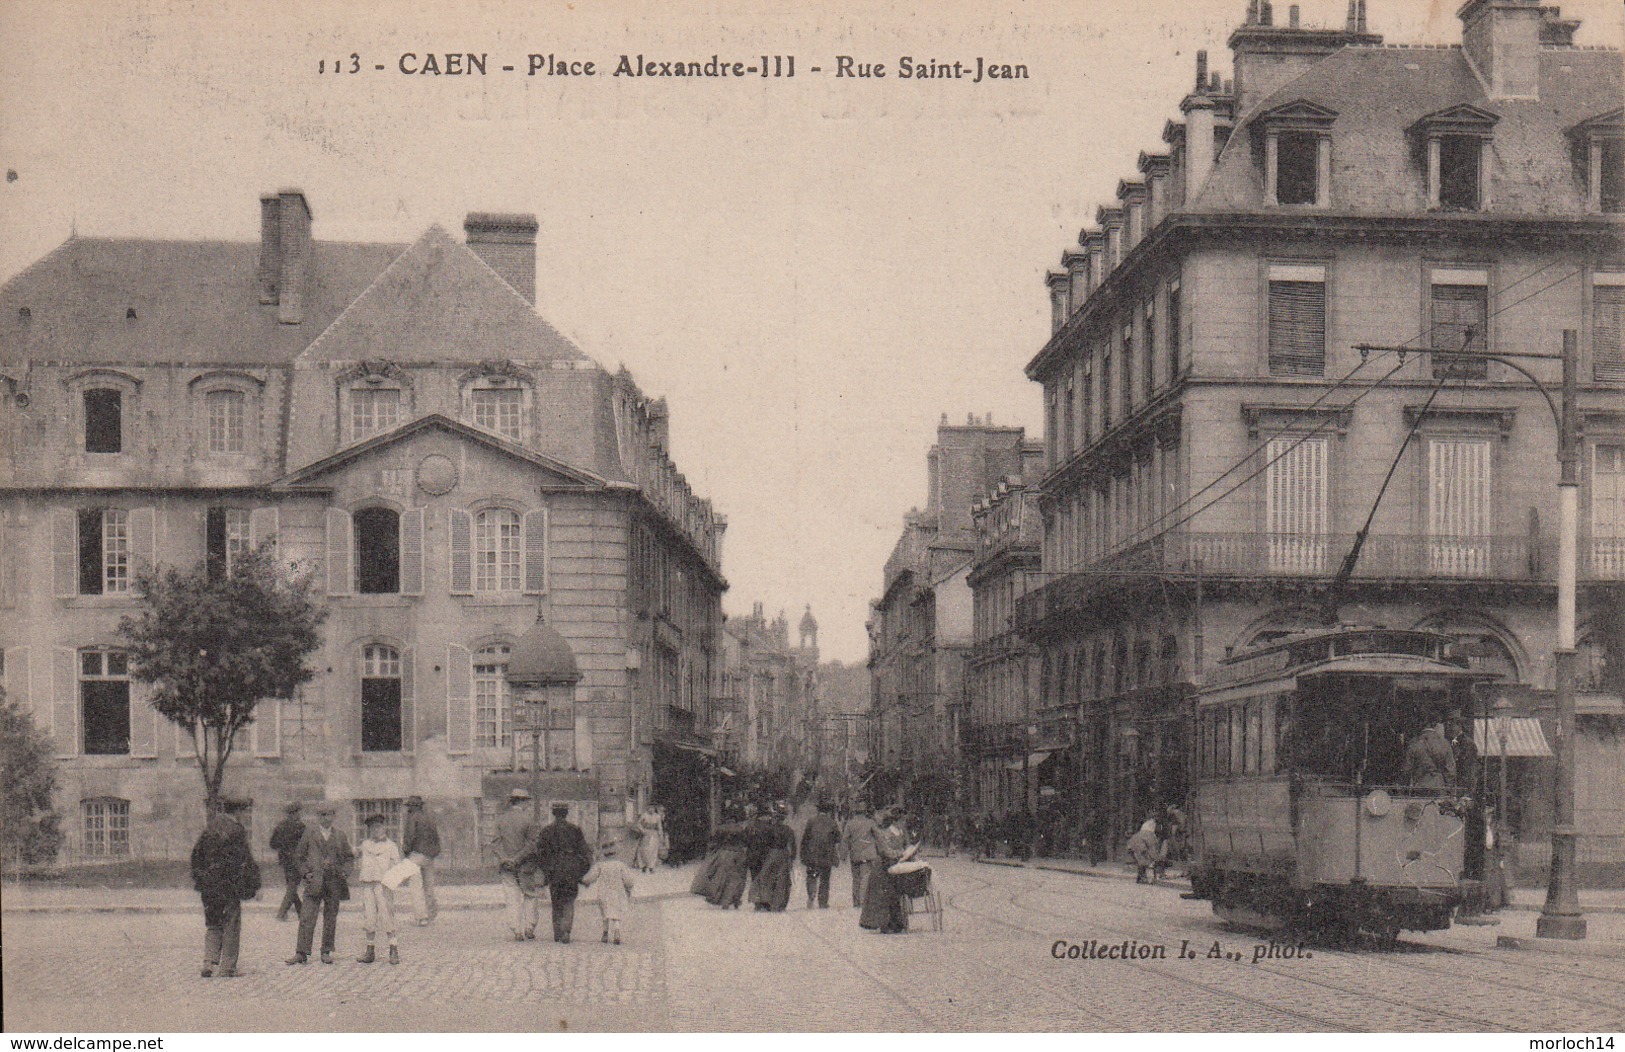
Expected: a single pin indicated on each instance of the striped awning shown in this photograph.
(1524, 737)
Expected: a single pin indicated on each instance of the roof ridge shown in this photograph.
(299, 358)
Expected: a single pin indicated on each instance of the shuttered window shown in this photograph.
(1608, 511)
(1459, 506)
(1295, 511)
(493, 700)
(1128, 369)
(1608, 330)
(1456, 310)
(383, 700)
(1297, 318)
(1174, 318)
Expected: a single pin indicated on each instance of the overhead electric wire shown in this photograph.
(1134, 538)
(1297, 415)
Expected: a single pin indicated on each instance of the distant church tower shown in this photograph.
(809, 632)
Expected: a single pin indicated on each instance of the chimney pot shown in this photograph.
(1362, 16)
(1353, 23)
(1201, 71)
(507, 244)
(1215, 85)
(1266, 13)
(1292, 16)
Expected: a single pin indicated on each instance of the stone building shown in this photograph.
(1008, 741)
(398, 421)
(920, 627)
(1216, 437)
(771, 687)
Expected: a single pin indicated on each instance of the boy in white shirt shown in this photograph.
(378, 854)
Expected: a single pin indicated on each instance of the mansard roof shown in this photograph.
(1381, 92)
(440, 302)
(564, 476)
(194, 301)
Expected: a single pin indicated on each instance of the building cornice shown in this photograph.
(1181, 230)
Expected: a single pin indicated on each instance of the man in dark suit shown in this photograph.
(285, 840)
(324, 857)
(561, 852)
(820, 845)
(224, 873)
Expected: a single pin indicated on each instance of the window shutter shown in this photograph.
(459, 699)
(65, 701)
(1458, 505)
(266, 730)
(143, 722)
(143, 540)
(408, 701)
(412, 552)
(18, 681)
(350, 692)
(65, 552)
(1297, 319)
(535, 550)
(8, 576)
(262, 526)
(340, 539)
(462, 555)
(1608, 333)
(583, 736)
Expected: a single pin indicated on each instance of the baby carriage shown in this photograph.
(912, 880)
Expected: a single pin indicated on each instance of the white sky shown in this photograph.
(812, 270)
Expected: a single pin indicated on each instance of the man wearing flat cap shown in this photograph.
(324, 857)
(515, 836)
(561, 852)
(285, 842)
(420, 842)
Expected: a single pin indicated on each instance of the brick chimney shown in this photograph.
(283, 276)
(1502, 41)
(507, 243)
(293, 222)
(270, 269)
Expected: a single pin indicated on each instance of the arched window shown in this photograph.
(380, 699)
(497, 560)
(493, 700)
(377, 551)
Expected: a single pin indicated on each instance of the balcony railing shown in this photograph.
(1520, 558)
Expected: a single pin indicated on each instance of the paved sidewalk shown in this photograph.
(664, 882)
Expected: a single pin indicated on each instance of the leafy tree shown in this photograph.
(213, 644)
(28, 825)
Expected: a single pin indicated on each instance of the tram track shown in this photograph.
(953, 902)
(1593, 997)
(1476, 1022)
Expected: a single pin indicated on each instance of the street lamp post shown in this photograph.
(1560, 918)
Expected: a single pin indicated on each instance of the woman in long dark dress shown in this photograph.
(770, 887)
(727, 886)
(883, 907)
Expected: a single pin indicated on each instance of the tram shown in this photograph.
(1300, 817)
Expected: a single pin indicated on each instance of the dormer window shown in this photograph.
(497, 398)
(373, 411)
(500, 410)
(104, 420)
(1452, 144)
(1599, 152)
(1297, 153)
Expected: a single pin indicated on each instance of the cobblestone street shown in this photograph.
(688, 966)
